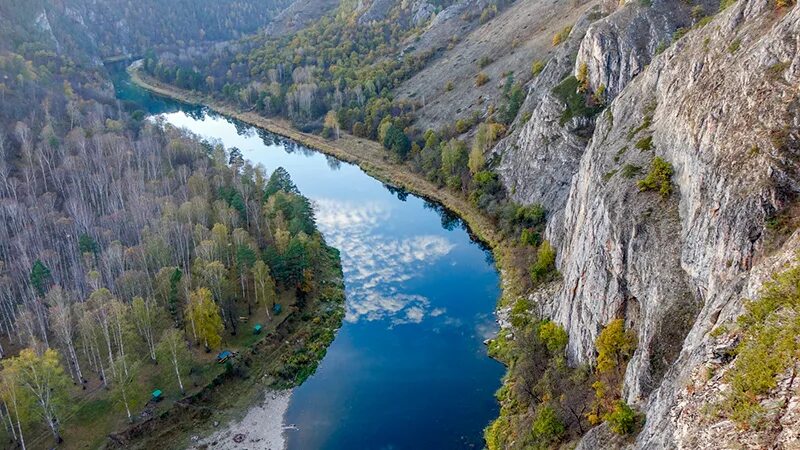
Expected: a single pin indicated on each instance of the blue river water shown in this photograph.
(408, 369)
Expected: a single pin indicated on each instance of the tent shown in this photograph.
(224, 356)
(257, 329)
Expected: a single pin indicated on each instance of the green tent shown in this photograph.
(157, 395)
(257, 329)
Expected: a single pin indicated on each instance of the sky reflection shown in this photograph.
(377, 265)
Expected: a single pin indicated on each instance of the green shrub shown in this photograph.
(449, 86)
(542, 270)
(724, 4)
(583, 77)
(776, 70)
(496, 433)
(481, 79)
(554, 337)
(530, 236)
(645, 143)
(568, 92)
(484, 61)
(599, 97)
(547, 427)
(530, 215)
(659, 178)
(734, 47)
(646, 122)
(396, 141)
(622, 419)
(520, 313)
(718, 331)
(679, 33)
(630, 170)
(499, 347)
(619, 154)
(536, 67)
(463, 125)
(703, 22)
(615, 347)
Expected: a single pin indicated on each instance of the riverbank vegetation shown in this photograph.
(545, 403)
(131, 253)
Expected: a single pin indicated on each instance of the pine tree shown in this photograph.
(40, 277)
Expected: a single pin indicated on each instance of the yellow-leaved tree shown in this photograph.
(204, 318)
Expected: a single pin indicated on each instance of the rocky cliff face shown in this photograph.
(720, 105)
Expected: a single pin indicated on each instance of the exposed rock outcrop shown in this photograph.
(720, 105)
(618, 47)
(539, 160)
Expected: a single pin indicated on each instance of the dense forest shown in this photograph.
(128, 249)
(119, 27)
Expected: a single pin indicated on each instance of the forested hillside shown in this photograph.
(129, 250)
(121, 27)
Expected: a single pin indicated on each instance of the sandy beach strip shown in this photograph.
(261, 428)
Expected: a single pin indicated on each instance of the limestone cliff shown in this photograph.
(720, 105)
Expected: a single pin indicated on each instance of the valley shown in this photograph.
(601, 196)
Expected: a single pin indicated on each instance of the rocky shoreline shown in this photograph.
(262, 427)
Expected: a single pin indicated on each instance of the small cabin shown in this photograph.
(157, 396)
(257, 329)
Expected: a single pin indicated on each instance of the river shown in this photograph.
(408, 369)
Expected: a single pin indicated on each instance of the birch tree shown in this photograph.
(146, 316)
(63, 324)
(172, 349)
(43, 378)
(264, 286)
(18, 402)
(123, 385)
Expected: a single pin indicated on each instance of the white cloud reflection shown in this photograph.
(375, 264)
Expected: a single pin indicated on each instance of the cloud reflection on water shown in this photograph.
(375, 264)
